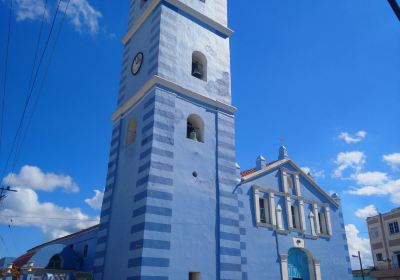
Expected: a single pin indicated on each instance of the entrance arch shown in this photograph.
(299, 265)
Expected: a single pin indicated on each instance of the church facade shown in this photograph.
(176, 205)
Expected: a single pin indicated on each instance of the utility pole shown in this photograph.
(4, 192)
(361, 266)
(396, 8)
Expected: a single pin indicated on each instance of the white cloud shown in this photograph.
(368, 211)
(351, 139)
(345, 160)
(29, 10)
(317, 174)
(390, 188)
(393, 160)
(83, 16)
(371, 178)
(32, 177)
(358, 243)
(55, 221)
(96, 201)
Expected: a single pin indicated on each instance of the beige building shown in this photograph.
(384, 234)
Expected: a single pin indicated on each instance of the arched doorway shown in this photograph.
(298, 265)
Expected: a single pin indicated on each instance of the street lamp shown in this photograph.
(359, 258)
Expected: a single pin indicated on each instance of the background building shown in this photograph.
(384, 234)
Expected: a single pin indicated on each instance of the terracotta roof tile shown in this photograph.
(248, 172)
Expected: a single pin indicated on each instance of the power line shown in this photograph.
(35, 104)
(30, 92)
(3, 99)
(396, 8)
(49, 218)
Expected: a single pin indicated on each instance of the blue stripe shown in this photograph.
(149, 102)
(148, 278)
(165, 114)
(151, 244)
(147, 261)
(230, 208)
(229, 222)
(230, 267)
(230, 251)
(161, 211)
(153, 194)
(229, 236)
(151, 227)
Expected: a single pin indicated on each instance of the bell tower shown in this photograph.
(169, 208)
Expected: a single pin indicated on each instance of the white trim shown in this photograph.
(302, 215)
(312, 224)
(284, 267)
(328, 220)
(199, 16)
(316, 219)
(272, 208)
(284, 181)
(279, 163)
(257, 205)
(289, 211)
(297, 184)
(317, 268)
(279, 218)
(156, 80)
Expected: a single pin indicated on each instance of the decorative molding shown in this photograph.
(156, 80)
(192, 12)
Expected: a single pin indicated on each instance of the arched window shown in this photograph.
(131, 133)
(199, 66)
(195, 128)
(55, 262)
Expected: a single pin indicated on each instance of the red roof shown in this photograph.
(248, 172)
(22, 260)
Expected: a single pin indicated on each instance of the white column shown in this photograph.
(257, 204)
(284, 267)
(317, 268)
(328, 220)
(272, 208)
(302, 215)
(316, 219)
(284, 182)
(312, 224)
(289, 211)
(279, 221)
(297, 184)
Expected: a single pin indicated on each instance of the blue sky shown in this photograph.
(323, 75)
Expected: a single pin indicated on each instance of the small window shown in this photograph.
(195, 128)
(322, 223)
(85, 251)
(394, 228)
(194, 276)
(379, 257)
(295, 217)
(199, 66)
(264, 213)
(131, 133)
(55, 262)
(374, 233)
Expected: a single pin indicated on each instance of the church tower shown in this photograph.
(169, 208)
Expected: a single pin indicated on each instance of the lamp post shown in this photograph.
(359, 258)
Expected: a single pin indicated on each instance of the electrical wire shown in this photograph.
(35, 104)
(48, 218)
(3, 99)
(30, 92)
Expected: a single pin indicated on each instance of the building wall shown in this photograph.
(265, 245)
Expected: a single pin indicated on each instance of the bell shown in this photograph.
(193, 135)
(197, 70)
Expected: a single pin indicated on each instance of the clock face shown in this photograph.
(137, 63)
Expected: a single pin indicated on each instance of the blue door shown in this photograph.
(298, 264)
